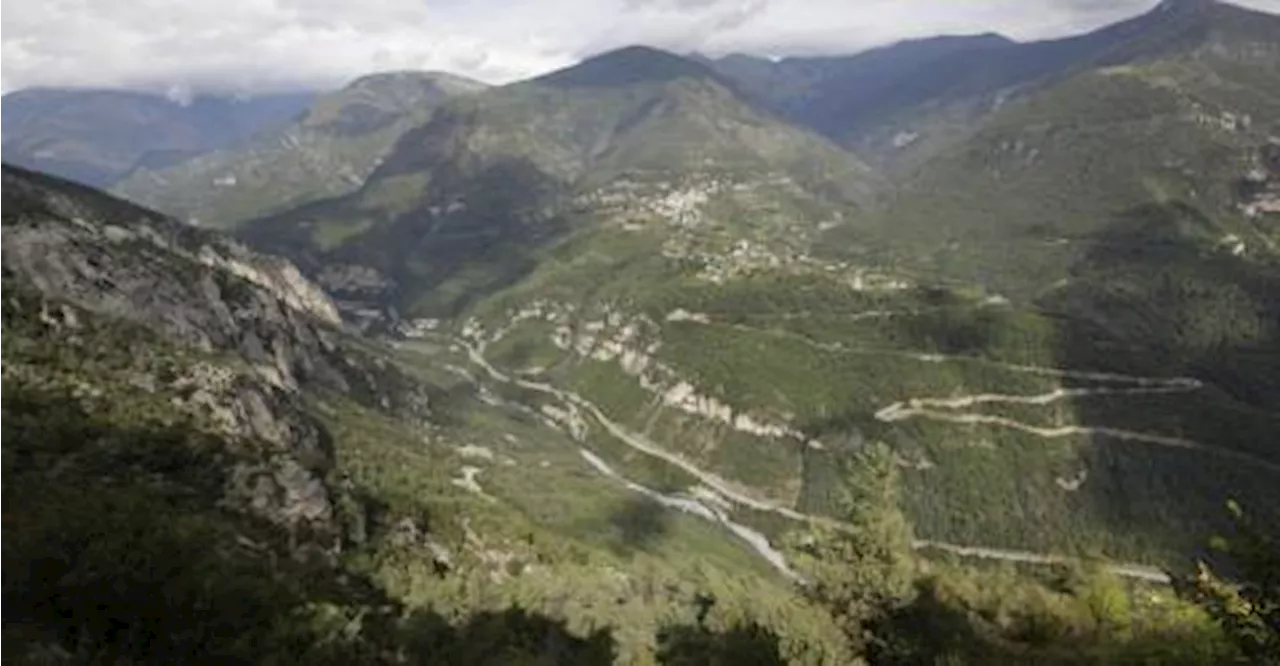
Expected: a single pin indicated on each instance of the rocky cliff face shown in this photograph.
(198, 288)
(194, 327)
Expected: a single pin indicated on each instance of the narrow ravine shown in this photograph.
(740, 498)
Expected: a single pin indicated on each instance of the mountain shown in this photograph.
(462, 205)
(1184, 115)
(151, 399)
(1122, 210)
(226, 472)
(631, 239)
(867, 101)
(326, 151)
(899, 105)
(613, 366)
(100, 136)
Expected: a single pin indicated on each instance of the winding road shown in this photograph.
(741, 498)
(948, 409)
(759, 542)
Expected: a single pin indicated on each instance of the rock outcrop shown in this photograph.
(241, 334)
(196, 287)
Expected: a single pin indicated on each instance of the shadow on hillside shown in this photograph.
(445, 262)
(511, 636)
(930, 628)
(1153, 297)
(449, 404)
(117, 550)
(746, 645)
(638, 524)
(938, 627)
(476, 229)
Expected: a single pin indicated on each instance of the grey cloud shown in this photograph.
(678, 25)
(683, 5)
(1094, 6)
(253, 44)
(739, 16)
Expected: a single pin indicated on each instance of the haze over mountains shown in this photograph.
(100, 136)
(635, 345)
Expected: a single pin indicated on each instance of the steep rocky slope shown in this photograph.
(327, 151)
(249, 329)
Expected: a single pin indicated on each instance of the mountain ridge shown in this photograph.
(327, 150)
(745, 322)
(99, 136)
(522, 154)
(901, 104)
(620, 365)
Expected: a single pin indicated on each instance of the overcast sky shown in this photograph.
(261, 44)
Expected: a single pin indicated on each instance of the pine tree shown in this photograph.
(1248, 607)
(863, 572)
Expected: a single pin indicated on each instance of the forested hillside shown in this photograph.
(185, 476)
(957, 351)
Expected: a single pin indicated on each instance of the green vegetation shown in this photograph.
(472, 202)
(98, 136)
(1153, 302)
(132, 535)
(1014, 207)
(1057, 343)
(1248, 608)
(326, 152)
(903, 611)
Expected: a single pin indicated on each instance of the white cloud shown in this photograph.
(255, 44)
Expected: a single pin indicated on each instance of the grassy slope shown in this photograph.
(798, 347)
(1055, 187)
(1109, 200)
(327, 151)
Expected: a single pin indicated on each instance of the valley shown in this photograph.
(957, 350)
(706, 506)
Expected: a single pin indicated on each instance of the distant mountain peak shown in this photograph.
(400, 77)
(965, 40)
(626, 66)
(1184, 5)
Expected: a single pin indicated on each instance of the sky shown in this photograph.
(255, 45)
